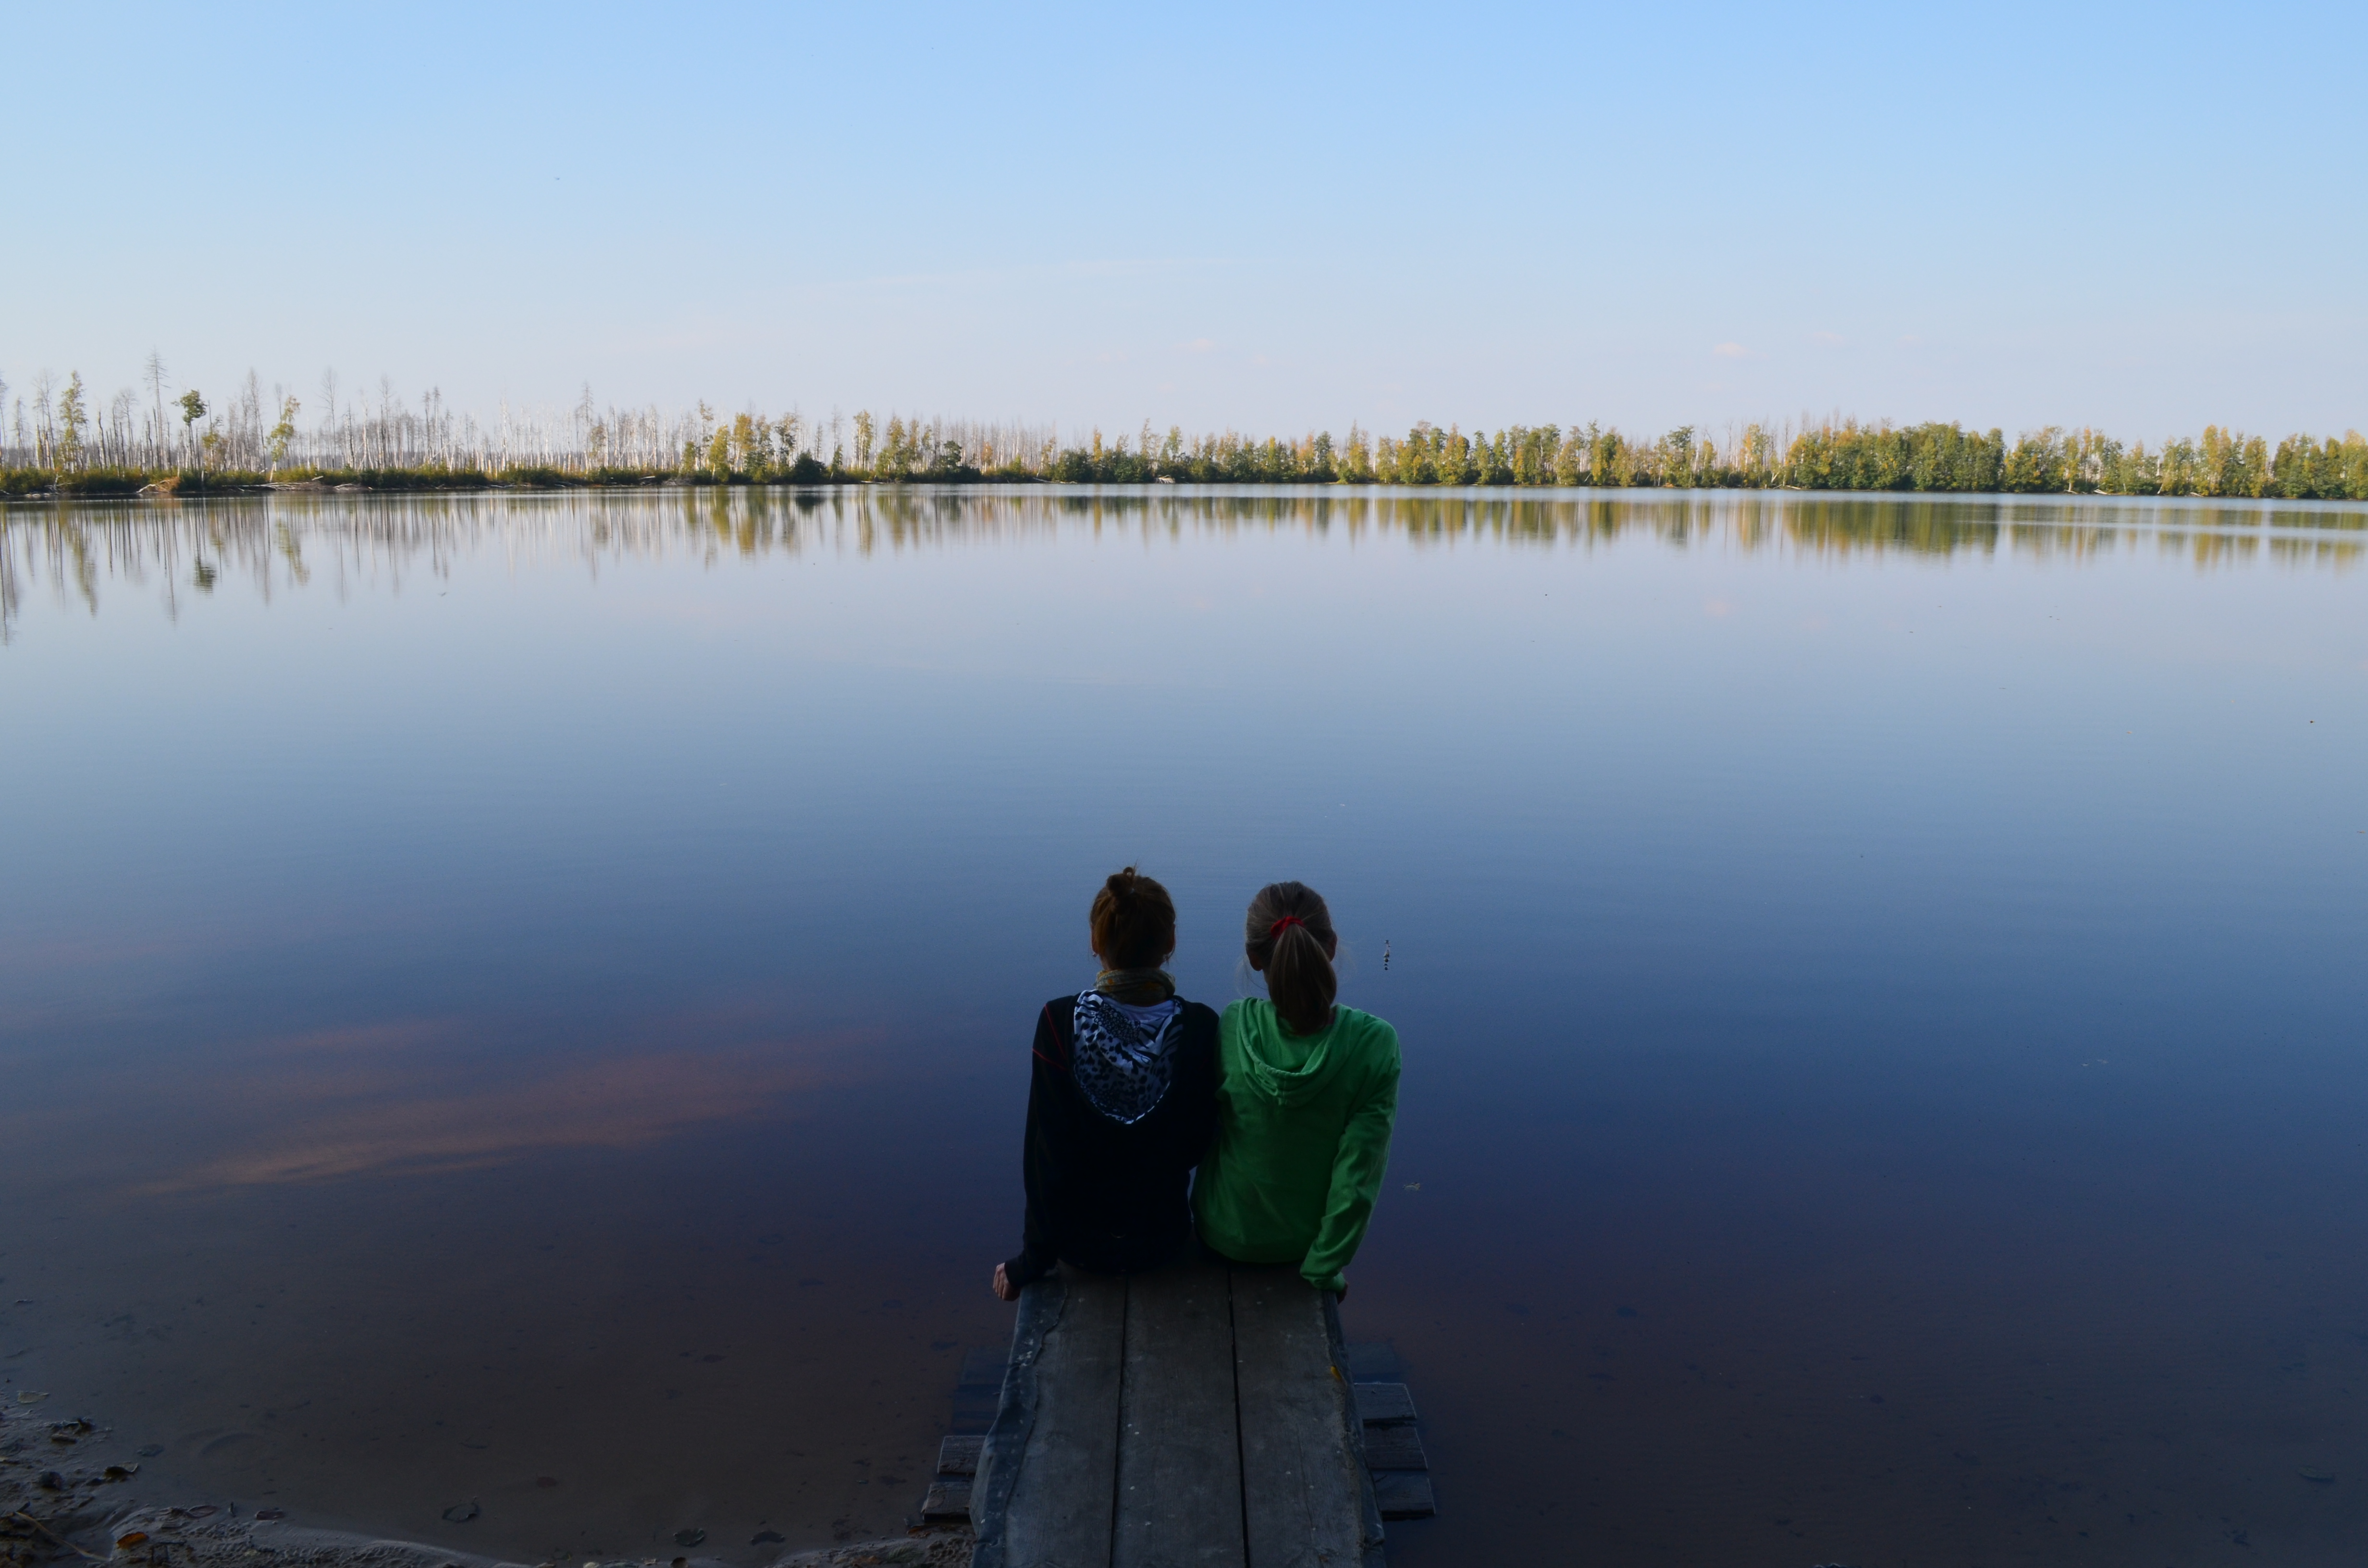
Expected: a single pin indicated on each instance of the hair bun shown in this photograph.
(1133, 920)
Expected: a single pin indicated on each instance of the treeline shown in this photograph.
(157, 430)
(1843, 455)
(20, 484)
(1939, 459)
(62, 441)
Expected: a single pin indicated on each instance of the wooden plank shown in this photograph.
(1179, 1475)
(948, 1500)
(1394, 1448)
(958, 1456)
(1048, 1468)
(1404, 1495)
(1369, 1513)
(1307, 1501)
(1383, 1401)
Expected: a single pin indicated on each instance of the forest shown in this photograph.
(59, 438)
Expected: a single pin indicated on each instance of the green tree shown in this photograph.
(1357, 457)
(2039, 464)
(285, 431)
(752, 443)
(73, 419)
(1676, 457)
(895, 458)
(193, 408)
(2233, 463)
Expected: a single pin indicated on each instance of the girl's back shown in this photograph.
(1306, 1097)
(1106, 1194)
(1121, 1102)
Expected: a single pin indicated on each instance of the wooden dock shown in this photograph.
(1201, 1416)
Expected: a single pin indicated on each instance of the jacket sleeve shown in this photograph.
(1357, 1168)
(1038, 1251)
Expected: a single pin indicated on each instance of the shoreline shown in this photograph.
(65, 1498)
(68, 450)
(2262, 484)
(432, 483)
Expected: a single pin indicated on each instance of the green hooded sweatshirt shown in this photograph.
(1302, 1135)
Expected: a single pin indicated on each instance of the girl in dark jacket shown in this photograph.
(1121, 1106)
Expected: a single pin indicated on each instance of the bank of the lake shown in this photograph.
(1929, 458)
(70, 1494)
(166, 484)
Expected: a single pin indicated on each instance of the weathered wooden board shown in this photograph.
(1047, 1471)
(946, 1500)
(1394, 1448)
(1404, 1495)
(1306, 1499)
(958, 1456)
(1197, 1416)
(1383, 1401)
(1180, 1473)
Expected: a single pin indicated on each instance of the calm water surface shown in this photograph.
(498, 992)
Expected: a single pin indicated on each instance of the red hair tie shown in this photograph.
(1276, 929)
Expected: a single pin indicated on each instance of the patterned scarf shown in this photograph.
(1122, 1064)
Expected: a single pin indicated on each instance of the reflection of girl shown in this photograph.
(1121, 1104)
(1307, 1094)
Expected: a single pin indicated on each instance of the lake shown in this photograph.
(526, 998)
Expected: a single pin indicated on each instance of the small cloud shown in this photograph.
(353, 1123)
(1260, 360)
(1198, 346)
(1909, 340)
(1731, 351)
(1717, 607)
(1824, 338)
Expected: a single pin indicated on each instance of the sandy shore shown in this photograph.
(67, 1497)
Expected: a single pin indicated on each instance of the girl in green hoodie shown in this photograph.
(1306, 1095)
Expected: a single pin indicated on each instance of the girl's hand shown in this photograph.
(1004, 1288)
(1341, 1294)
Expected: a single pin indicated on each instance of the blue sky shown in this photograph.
(1273, 218)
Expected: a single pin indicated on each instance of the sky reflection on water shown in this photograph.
(1882, 983)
